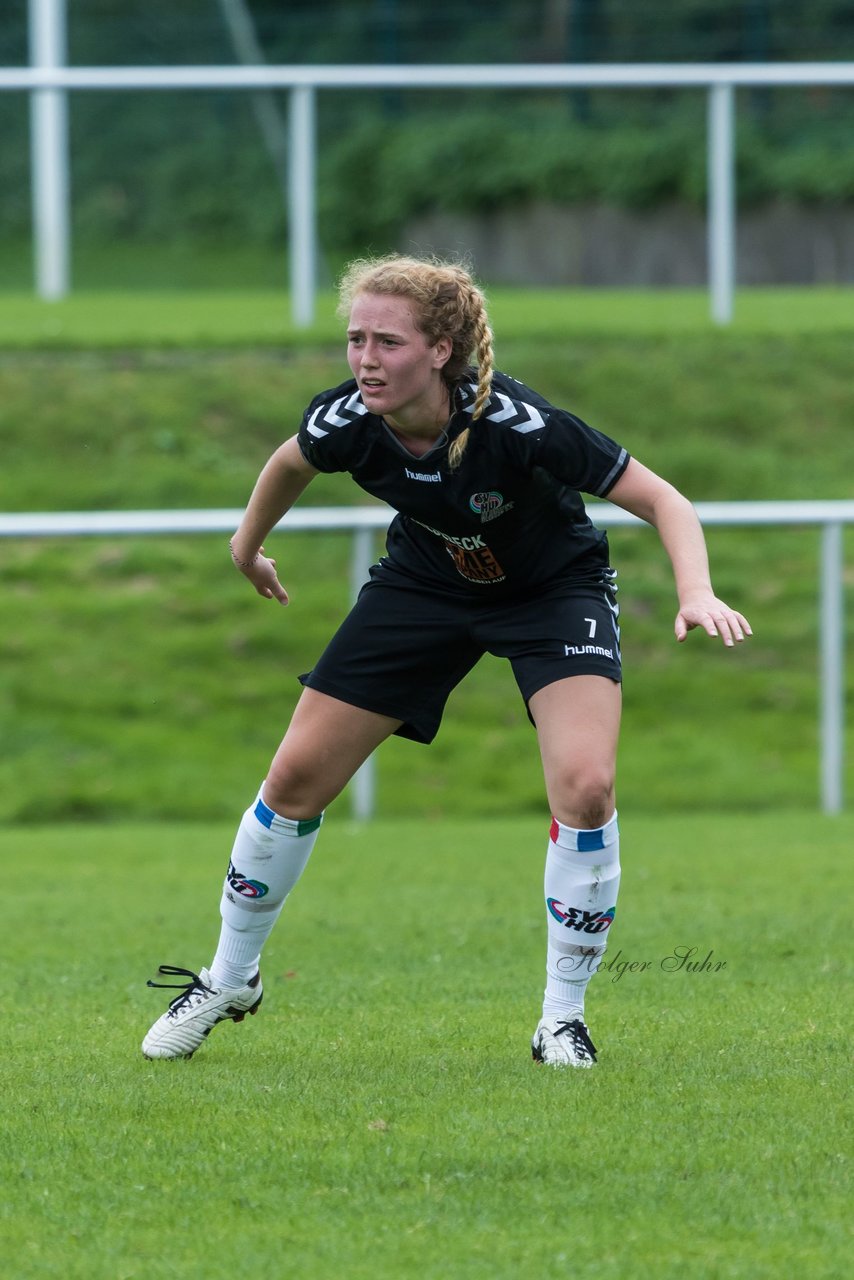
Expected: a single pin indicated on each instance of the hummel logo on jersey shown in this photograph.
(581, 921)
(580, 650)
(432, 477)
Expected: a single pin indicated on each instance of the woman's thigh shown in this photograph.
(578, 728)
(326, 742)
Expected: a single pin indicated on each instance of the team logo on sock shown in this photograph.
(581, 921)
(245, 887)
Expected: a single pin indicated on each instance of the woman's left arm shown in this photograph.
(653, 499)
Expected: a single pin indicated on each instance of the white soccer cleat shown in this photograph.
(559, 1043)
(193, 1015)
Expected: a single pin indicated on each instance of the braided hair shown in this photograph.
(447, 304)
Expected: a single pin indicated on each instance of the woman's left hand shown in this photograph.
(715, 617)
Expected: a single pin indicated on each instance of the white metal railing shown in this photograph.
(363, 522)
(48, 81)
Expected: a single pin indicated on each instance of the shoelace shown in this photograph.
(578, 1034)
(188, 989)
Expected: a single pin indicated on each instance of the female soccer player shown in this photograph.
(491, 551)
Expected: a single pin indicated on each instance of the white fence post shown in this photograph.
(363, 786)
(301, 205)
(832, 666)
(49, 153)
(721, 201)
(718, 79)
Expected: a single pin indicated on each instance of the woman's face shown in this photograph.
(399, 374)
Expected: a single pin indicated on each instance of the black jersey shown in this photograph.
(509, 520)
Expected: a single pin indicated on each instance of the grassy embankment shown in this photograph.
(142, 677)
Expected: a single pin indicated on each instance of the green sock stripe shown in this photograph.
(305, 826)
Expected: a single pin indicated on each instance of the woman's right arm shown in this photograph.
(276, 490)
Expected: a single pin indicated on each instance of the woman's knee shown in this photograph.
(326, 742)
(295, 790)
(583, 797)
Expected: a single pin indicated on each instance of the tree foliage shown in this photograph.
(180, 165)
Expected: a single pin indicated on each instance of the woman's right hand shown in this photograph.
(261, 572)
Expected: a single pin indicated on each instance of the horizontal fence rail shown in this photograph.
(363, 523)
(535, 75)
(48, 80)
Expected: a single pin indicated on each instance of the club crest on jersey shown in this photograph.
(489, 505)
(246, 888)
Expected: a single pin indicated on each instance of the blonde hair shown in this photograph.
(447, 304)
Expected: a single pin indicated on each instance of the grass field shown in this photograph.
(135, 317)
(381, 1118)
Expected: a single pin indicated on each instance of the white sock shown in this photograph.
(581, 884)
(268, 857)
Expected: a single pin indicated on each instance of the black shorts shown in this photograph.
(402, 649)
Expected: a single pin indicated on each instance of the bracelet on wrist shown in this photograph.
(242, 564)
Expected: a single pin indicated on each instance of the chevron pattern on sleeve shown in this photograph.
(516, 414)
(339, 413)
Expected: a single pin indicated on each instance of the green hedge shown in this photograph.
(384, 160)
